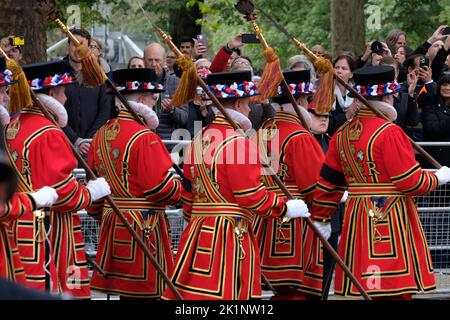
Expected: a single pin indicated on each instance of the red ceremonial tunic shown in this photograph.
(136, 165)
(382, 240)
(42, 155)
(218, 256)
(11, 268)
(298, 158)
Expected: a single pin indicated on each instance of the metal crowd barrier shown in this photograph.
(434, 211)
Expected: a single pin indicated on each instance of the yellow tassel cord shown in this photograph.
(92, 73)
(324, 96)
(188, 82)
(271, 77)
(19, 93)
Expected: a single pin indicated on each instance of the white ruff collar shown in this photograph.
(243, 121)
(55, 108)
(287, 107)
(150, 117)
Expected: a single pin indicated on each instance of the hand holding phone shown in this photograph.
(445, 31)
(424, 62)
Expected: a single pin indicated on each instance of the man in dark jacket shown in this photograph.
(88, 108)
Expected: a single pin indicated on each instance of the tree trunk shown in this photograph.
(183, 22)
(20, 19)
(348, 26)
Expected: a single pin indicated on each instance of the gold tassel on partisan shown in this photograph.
(19, 93)
(188, 83)
(324, 96)
(271, 76)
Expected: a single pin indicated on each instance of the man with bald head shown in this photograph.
(318, 50)
(170, 118)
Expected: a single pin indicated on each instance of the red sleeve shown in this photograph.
(17, 206)
(403, 169)
(244, 177)
(187, 196)
(53, 166)
(220, 61)
(330, 186)
(305, 156)
(157, 183)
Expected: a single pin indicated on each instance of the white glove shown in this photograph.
(98, 188)
(443, 175)
(324, 229)
(297, 209)
(344, 197)
(44, 197)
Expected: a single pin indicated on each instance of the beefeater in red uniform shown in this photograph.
(136, 163)
(218, 256)
(13, 204)
(382, 240)
(297, 158)
(41, 154)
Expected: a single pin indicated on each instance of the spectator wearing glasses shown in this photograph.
(97, 48)
(135, 62)
(170, 62)
(170, 118)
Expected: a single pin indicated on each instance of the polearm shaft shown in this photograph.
(313, 57)
(96, 266)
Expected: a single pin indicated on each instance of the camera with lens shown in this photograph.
(377, 47)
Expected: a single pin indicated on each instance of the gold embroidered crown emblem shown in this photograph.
(269, 133)
(13, 129)
(113, 131)
(355, 130)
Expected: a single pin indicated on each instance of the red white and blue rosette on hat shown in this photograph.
(51, 81)
(140, 86)
(378, 90)
(298, 88)
(6, 78)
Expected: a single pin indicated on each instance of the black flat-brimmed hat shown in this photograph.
(299, 83)
(373, 82)
(232, 85)
(48, 75)
(137, 80)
